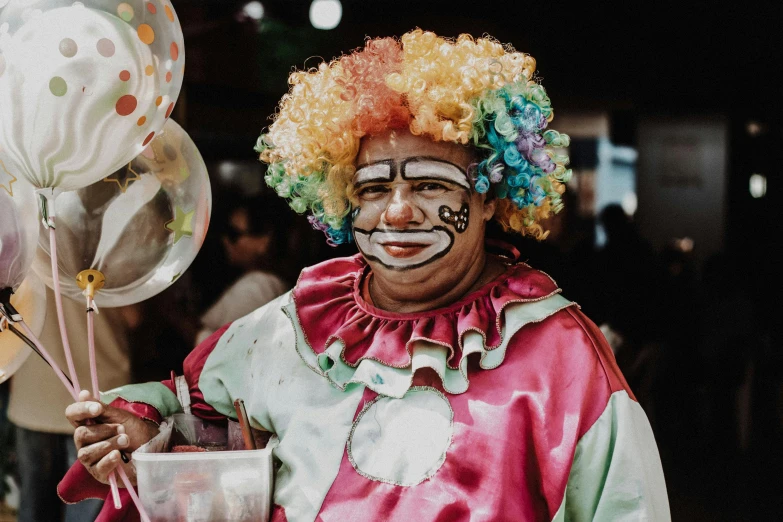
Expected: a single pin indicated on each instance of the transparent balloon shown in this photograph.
(18, 228)
(84, 86)
(141, 227)
(30, 301)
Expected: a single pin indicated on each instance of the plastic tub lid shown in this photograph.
(204, 455)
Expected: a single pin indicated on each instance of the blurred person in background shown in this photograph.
(250, 244)
(679, 375)
(255, 243)
(628, 280)
(730, 338)
(630, 277)
(44, 440)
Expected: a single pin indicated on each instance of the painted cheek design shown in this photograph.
(459, 220)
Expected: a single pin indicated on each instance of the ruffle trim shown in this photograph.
(395, 382)
(348, 341)
(330, 306)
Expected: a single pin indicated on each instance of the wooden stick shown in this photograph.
(244, 424)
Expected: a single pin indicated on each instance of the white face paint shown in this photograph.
(420, 225)
(404, 249)
(373, 173)
(427, 168)
(430, 183)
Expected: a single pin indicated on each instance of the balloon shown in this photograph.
(84, 86)
(18, 229)
(30, 301)
(141, 227)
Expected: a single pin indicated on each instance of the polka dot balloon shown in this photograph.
(82, 85)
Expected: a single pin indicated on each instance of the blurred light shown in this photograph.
(244, 176)
(630, 203)
(254, 10)
(613, 337)
(754, 128)
(684, 245)
(326, 14)
(228, 170)
(624, 154)
(758, 185)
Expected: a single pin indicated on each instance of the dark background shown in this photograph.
(629, 59)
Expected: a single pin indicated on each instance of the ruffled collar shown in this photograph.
(329, 308)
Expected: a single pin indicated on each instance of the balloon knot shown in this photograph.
(7, 310)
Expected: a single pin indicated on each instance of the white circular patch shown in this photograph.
(402, 441)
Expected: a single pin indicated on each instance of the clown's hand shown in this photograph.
(102, 432)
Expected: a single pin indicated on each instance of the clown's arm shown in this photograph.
(152, 401)
(616, 471)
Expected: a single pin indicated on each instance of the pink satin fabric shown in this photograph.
(515, 434)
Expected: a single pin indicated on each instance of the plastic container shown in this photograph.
(208, 486)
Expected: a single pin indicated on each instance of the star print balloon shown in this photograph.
(84, 85)
(141, 227)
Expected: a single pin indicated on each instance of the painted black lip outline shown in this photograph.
(407, 231)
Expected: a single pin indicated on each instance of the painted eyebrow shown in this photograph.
(381, 171)
(427, 168)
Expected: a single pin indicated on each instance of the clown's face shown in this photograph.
(419, 223)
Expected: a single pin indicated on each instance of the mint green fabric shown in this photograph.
(153, 393)
(616, 474)
(257, 360)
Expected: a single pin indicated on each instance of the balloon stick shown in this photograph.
(90, 281)
(136, 500)
(47, 212)
(10, 316)
(87, 281)
(115, 491)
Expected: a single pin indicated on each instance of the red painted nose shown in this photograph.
(398, 214)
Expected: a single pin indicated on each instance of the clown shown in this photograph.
(423, 379)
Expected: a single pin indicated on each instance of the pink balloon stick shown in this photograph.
(67, 347)
(91, 347)
(58, 299)
(96, 392)
(115, 491)
(134, 496)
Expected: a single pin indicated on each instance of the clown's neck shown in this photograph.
(398, 298)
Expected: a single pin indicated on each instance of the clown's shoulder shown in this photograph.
(533, 321)
(525, 291)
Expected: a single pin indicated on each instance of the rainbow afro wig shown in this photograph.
(475, 92)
